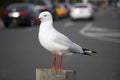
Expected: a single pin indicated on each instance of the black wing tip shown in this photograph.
(94, 52)
(89, 50)
(87, 54)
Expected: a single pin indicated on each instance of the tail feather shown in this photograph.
(88, 52)
(85, 52)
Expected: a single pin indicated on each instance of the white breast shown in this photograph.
(47, 37)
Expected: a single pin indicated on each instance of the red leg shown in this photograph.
(54, 58)
(54, 63)
(60, 62)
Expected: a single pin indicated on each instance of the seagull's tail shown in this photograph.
(88, 52)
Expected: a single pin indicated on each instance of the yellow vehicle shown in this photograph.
(60, 10)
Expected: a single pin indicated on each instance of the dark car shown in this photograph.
(19, 13)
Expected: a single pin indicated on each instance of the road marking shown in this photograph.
(108, 34)
(101, 33)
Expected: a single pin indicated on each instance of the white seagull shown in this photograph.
(56, 42)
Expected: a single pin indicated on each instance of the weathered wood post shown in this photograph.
(47, 74)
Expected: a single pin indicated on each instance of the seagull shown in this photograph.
(56, 42)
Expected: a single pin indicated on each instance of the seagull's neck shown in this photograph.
(46, 25)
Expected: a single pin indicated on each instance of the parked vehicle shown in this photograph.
(118, 3)
(82, 11)
(67, 7)
(45, 5)
(19, 13)
(60, 10)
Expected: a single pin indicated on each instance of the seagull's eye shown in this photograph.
(45, 15)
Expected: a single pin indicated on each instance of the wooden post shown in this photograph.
(47, 74)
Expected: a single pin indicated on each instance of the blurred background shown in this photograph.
(93, 24)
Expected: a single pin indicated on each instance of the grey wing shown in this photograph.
(72, 47)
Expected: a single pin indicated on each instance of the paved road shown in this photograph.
(21, 53)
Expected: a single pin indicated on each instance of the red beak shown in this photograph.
(37, 19)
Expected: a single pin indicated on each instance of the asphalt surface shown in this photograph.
(21, 53)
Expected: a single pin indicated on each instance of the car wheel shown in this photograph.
(91, 18)
(6, 25)
(30, 23)
(72, 19)
(55, 17)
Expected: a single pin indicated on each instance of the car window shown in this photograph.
(43, 3)
(17, 7)
(80, 6)
(39, 3)
(49, 4)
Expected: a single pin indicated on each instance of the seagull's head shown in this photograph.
(44, 16)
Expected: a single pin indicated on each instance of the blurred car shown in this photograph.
(45, 5)
(95, 7)
(82, 11)
(60, 10)
(19, 13)
(118, 3)
(67, 7)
